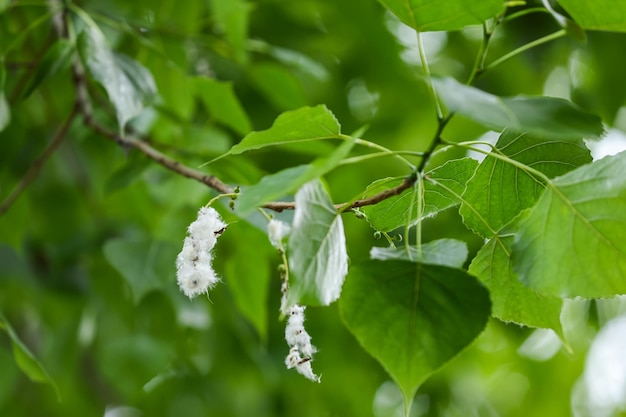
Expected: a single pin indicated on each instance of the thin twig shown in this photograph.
(144, 146)
(169, 163)
(39, 162)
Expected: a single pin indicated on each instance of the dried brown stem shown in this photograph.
(166, 161)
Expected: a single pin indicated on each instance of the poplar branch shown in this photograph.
(128, 141)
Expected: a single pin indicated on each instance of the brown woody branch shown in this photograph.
(129, 141)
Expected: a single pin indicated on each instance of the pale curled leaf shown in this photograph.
(548, 117)
(396, 309)
(446, 252)
(318, 259)
(128, 84)
(573, 241)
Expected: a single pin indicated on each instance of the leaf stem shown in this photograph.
(426, 69)
(360, 158)
(369, 144)
(525, 12)
(437, 140)
(524, 48)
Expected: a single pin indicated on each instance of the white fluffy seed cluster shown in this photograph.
(277, 232)
(300, 348)
(194, 271)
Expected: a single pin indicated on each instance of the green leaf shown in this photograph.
(499, 191)
(428, 15)
(57, 58)
(177, 90)
(26, 361)
(272, 187)
(413, 318)
(603, 15)
(232, 16)
(128, 173)
(144, 263)
(302, 125)
(318, 259)
(512, 301)
(248, 271)
(573, 241)
(4, 4)
(129, 85)
(222, 103)
(5, 112)
(399, 210)
(570, 26)
(549, 117)
(446, 252)
(278, 85)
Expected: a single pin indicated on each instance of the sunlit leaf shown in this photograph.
(272, 187)
(411, 336)
(445, 252)
(25, 360)
(145, 264)
(441, 189)
(220, 100)
(548, 117)
(573, 241)
(512, 301)
(499, 191)
(318, 259)
(302, 125)
(428, 15)
(129, 85)
(604, 15)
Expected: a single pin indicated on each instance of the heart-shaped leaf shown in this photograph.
(413, 318)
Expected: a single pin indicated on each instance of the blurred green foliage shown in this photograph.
(111, 339)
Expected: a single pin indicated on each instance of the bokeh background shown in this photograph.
(87, 275)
